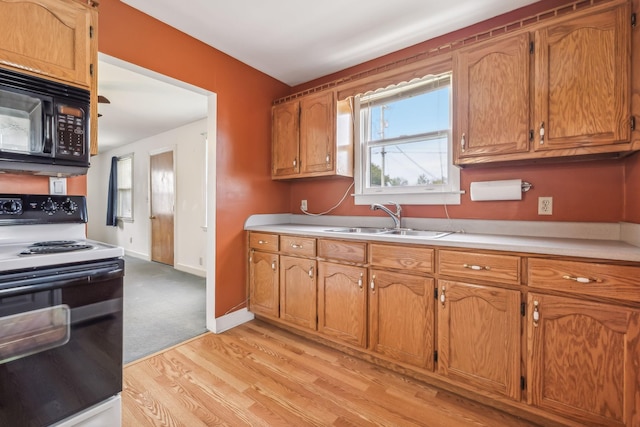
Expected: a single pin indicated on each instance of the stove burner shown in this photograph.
(38, 250)
(55, 243)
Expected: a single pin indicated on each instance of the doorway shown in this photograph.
(162, 195)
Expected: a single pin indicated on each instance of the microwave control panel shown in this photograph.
(71, 131)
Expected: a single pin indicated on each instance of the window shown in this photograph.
(405, 144)
(125, 187)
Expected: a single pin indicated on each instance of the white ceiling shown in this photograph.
(293, 41)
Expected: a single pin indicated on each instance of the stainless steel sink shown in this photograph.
(427, 234)
(365, 230)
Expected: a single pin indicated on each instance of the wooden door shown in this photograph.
(162, 207)
(285, 156)
(317, 134)
(47, 37)
(479, 336)
(264, 290)
(583, 359)
(342, 302)
(298, 294)
(401, 317)
(492, 89)
(582, 81)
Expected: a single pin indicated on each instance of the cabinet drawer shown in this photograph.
(264, 241)
(340, 250)
(497, 268)
(401, 257)
(303, 246)
(603, 280)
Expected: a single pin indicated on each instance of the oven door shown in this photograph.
(60, 341)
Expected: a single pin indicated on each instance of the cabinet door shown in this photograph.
(479, 336)
(47, 37)
(401, 317)
(263, 283)
(298, 294)
(342, 302)
(285, 156)
(584, 359)
(492, 90)
(317, 134)
(582, 81)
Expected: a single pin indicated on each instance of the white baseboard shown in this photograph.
(191, 270)
(231, 320)
(135, 254)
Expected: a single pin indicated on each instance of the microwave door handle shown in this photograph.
(48, 130)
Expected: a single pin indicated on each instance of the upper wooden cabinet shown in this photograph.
(312, 136)
(493, 81)
(51, 38)
(582, 81)
(561, 89)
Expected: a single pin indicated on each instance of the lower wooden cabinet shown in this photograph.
(342, 302)
(479, 336)
(264, 294)
(583, 359)
(401, 317)
(298, 294)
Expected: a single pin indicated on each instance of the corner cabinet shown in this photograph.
(560, 90)
(51, 38)
(312, 136)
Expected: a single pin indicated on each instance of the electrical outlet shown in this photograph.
(545, 205)
(303, 205)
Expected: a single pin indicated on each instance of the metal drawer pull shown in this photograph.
(442, 296)
(311, 272)
(536, 314)
(582, 279)
(360, 281)
(476, 267)
(262, 242)
(541, 133)
(295, 246)
(463, 142)
(372, 284)
(273, 266)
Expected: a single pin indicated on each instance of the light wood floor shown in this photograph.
(259, 375)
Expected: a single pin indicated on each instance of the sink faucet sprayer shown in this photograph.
(394, 216)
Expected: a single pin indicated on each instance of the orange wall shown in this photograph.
(244, 127)
(27, 184)
(574, 186)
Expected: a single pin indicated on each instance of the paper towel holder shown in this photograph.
(526, 186)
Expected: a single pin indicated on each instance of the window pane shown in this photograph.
(124, 172)
(124, 203)
(415, 163)
(417, 114)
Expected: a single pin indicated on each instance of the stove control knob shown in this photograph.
(12, 207)
(50, 207)
(69, 206)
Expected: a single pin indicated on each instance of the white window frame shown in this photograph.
(423, 195)
(119, 215)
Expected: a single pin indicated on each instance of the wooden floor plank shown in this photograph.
(259, 375)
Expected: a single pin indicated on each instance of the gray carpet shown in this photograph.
(162, 307)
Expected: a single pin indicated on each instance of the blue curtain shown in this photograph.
(112, 201)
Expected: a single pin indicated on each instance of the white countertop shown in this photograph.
(606, 246)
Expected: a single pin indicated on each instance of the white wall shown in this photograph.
(188, 144)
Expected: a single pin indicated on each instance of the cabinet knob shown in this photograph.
(373, 284)
(311, 272)
(360, 281)
(463, 142)
(443, 298)
(274, 266)
(541, 133)
(536, 313)
(295, 163)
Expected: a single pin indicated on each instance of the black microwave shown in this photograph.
(44, 126)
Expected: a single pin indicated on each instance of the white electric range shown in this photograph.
(61, 316)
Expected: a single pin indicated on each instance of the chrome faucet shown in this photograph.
(394, 216)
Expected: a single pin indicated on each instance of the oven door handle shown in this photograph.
(62, 280)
